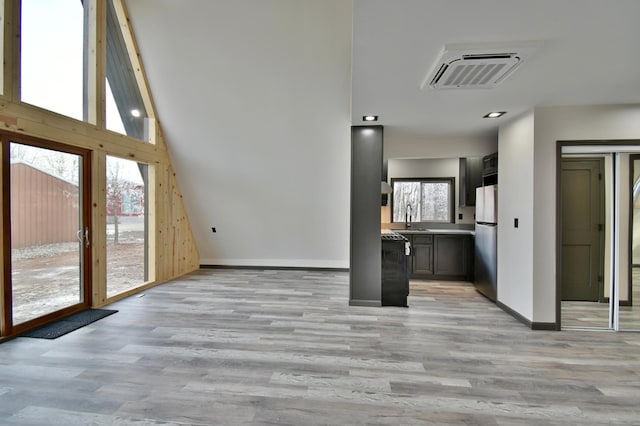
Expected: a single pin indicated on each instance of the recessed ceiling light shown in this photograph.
(135, 112)
(495, 114)
(370, 118)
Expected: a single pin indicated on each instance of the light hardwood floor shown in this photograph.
(236, 347)
(596, 314)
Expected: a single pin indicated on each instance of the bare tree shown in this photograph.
(114, 194)
(62, 165)
(20, 153)
(124, 196)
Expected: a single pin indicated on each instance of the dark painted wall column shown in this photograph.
(365, 278)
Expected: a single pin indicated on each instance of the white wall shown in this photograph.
(400, 145)
(262, 150)
(527, 190)
(407, 168)
(515, 200)
(552, 124)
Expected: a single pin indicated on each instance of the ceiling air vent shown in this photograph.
(463, 66)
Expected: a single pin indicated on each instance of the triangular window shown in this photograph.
(58, 65)
(126, 112)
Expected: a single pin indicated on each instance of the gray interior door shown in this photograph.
(582, 226)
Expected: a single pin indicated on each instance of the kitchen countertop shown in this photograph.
(419, 230)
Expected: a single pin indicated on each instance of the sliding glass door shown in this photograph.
(629, 311)
(613, 216)
(49, 232)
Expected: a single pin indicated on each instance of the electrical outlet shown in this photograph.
(515, 222)
(460, 216)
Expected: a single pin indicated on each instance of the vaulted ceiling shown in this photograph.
(589, 55)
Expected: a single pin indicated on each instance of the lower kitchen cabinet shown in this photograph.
(451, 257)
(422, 251)
(441, 256)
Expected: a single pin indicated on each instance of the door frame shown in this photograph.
(632, 158)
(617, 146)
(7, 329)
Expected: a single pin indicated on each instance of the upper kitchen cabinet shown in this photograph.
(470, 178)
(490, 169)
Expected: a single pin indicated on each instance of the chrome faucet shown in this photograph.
(407, 216)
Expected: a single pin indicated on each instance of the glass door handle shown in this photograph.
(84, 238)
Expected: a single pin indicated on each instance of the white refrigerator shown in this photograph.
(486, 241)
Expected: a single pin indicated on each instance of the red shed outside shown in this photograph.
(44, 207)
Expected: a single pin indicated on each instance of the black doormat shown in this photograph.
(69, 324)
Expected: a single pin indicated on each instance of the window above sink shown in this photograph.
(424, 199)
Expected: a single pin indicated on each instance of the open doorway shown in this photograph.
(596, 232)
(582, 228)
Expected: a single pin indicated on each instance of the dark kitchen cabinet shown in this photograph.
(385, 167)
(452, 256)
(490, 169)
(470, 178)
(422, 255)
(441, 256)
(490, 164)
